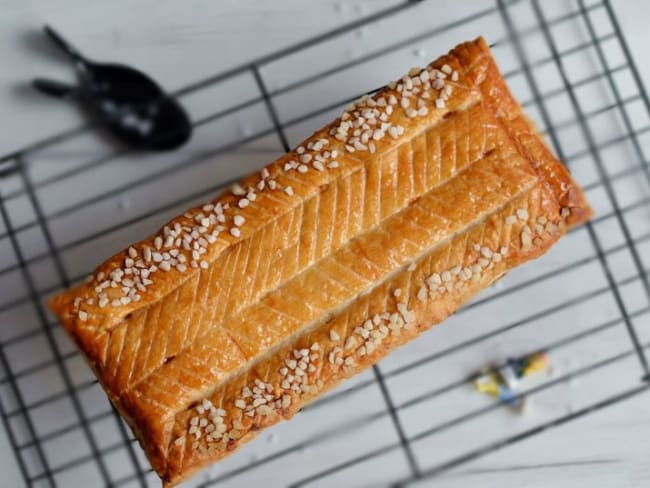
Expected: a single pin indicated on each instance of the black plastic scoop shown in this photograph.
(130, 104)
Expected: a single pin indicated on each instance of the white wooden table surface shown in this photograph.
(180, 42)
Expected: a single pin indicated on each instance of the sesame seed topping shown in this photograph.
(238, 220)
(350, 342)
(422, 294)
(288, 190)
(522, 214)
(291, 363)
(235, 232)
(243, 203)
(237, 190)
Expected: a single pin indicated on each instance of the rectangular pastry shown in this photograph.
(238, 313)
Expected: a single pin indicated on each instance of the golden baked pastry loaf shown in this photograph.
(238, 313)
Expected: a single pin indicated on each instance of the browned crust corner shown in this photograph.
(523, 131)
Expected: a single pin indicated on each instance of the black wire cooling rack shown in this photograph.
(414, 416)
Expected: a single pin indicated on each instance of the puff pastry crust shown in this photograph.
(238, 313)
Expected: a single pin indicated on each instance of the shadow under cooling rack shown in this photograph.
(73, 197)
